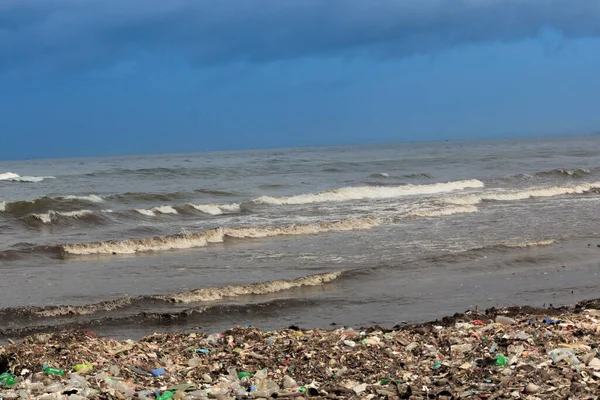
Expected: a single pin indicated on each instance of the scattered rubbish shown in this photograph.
(469, 356)
(551, 321)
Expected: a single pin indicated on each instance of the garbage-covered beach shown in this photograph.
(510, 353)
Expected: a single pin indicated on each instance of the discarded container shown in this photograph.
(83, 368)
(54, 371)
(158, 371)
(243, 374)
(501, 360)
(166, 396)
(7, 379)
(501, 319)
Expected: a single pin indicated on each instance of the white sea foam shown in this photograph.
(216, 209)
(213, 294)
(11, 176)
(160, 209)
(91, 197)
(366, 192)
(51, 215)
(522, 245)
(57, 311)
(2, 206)
(165, 210)
(512, 195)
(143, 211)
(444, 211)
(217, 235)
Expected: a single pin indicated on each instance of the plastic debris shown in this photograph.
(498, 354)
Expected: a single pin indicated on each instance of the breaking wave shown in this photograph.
(160, 209)
(217, 235)
(46, 204)
(380, 175)
(12, 177)
(216, 209)
(359, 193)
(212, 294)
(473, 199)
(58, 216)
(195, 296)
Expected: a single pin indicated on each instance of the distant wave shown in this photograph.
(130, 197)
(511, 195)
(565, 173)
(10, 176)
(419, 176)
(576, 172)
(380, 175)
(46, 204)
(217, 235)
(365, 192)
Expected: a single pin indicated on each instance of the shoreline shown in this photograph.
(513, 352)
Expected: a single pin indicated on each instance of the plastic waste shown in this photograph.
(501, 319)
(158, 371)
(166, 396)
(501, 361)
(83, 368)
(7, 379)
(244, 374)
(53, 371)
(289, 382)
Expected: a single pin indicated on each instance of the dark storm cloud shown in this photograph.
(85, 34)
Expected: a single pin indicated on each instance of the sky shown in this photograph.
(108, 77)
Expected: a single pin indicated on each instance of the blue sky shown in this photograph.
(100, 77)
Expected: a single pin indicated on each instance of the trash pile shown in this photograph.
(512, 353)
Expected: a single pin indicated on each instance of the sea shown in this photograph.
(315, 237)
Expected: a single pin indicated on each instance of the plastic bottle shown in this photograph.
(166, 396)
(7, 379)
(83, 368)
(54, 371)
(244, 374)
(501, 360)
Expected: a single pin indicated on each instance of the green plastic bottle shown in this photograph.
(501, 361)
(7, 379)
(166, 396)
(54, 371)
(243, 374)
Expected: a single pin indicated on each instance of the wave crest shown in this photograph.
(12, 177)
(512, 195)
(366, 192)
(217, 235)
(216, 209)
(212, 294)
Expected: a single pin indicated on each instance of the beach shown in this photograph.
(312, 272)
(510, 353)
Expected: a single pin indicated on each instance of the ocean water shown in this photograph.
(314, 237)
